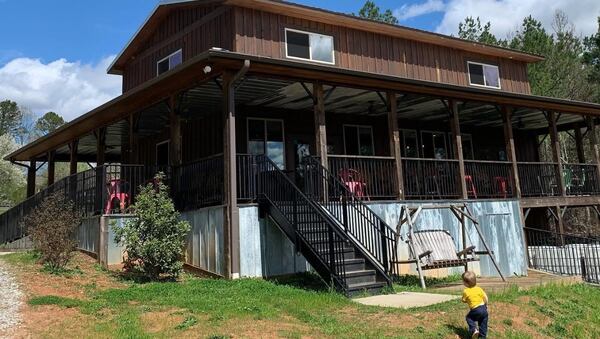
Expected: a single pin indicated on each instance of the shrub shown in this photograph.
(155, 239)
(52, 226)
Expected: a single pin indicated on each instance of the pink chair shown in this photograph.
(355, 182)
(502, 186)
(115, 191)
(471, 190)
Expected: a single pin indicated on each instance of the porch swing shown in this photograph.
(435, 249)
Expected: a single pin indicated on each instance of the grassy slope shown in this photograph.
(247, 307)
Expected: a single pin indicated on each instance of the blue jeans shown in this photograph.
(478, 315)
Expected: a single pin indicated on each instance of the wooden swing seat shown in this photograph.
(436, 249)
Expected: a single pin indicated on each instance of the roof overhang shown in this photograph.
(317, 15)
(192, 72)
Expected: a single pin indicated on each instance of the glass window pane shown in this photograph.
(366, 141)
(467, 145)
(322, 48)
(351, 140)
(492, 78)
(163, 66)
(439, 143)
(476, 74)
(298, 45)
(427, 146)
(275, 153)
(175, 59)
(410, 145)
(274, 131)
(256, 130)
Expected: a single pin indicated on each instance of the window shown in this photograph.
(484, 75)
(309, 46)
(358, 140)
(169, 62)
(162, 153)
(410, 144)
(265, 136)
(434, 145)
(467, 146)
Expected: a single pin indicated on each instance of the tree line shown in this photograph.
(19, 126)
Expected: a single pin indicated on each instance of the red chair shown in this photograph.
(502, 186)
(116, 191)
(470, 190)
(354, 181)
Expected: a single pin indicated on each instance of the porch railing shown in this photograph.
(431, 178)
(246, 177)
(199, 183)
(565, 254)
(376, 172)
(489, 179)
(539, 179)
(581, 179)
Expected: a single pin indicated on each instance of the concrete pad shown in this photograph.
(406, 299)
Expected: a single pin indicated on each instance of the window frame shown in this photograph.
(432, 132)
(309, 46)
(483, 65)
(403, 131)
(265, 140)
(168, 57)
(358, 138)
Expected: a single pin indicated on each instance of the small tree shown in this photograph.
(155, 239)
(52, 226)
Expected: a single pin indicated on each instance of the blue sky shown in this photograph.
(90, 30)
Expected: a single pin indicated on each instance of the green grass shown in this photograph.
(310, 309)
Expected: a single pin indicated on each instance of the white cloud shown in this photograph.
(506, 15)
(67, 88)
(415, 10)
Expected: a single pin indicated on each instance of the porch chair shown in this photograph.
(471, 191)
(116, 191)
(501, 186)
(355, 182)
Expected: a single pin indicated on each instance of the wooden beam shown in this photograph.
(73, 146)
(556, 156)
(175, 132)
(231, 229)
(320, 124)
(458, 150)
(509, 141)
(31, 178)
(579, 144)
(51, 167)
(394, 136)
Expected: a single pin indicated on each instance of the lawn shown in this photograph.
(88, 301)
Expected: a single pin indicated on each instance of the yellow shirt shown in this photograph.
(474, 297)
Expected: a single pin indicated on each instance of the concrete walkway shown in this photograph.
(406, 299)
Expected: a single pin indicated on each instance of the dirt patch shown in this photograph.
(159, 321)
(252, 328)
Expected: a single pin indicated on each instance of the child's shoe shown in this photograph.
(475, 334)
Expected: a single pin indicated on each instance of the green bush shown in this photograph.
(52, 226)
(155, 239)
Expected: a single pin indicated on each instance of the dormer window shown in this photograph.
(169, 62)
(484, 75)
(309, 46)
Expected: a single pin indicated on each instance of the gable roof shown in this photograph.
(164, 7)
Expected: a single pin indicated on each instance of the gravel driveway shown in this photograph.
(10, 299)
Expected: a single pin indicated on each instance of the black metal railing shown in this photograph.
(489, 179)
(198, 184)
(246, 177)
(581, 179)
(377, 174)
(358, 221)
(309, 226)
(431, 178)
(564, 254)
(539, 179)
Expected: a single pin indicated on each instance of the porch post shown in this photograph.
(594, 147)
(394, 136)
(509, 140)
(51, 167)
(73, 158)
(100, 146)
(231, 220)
(175, 131)
(458, 151)
(579, 144)
(556, 157)
(132, 157)
(31, 169)
(320, 124)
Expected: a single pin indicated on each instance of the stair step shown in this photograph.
(348, 252)
(363, 276)
(354, 264)
(366, 288)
